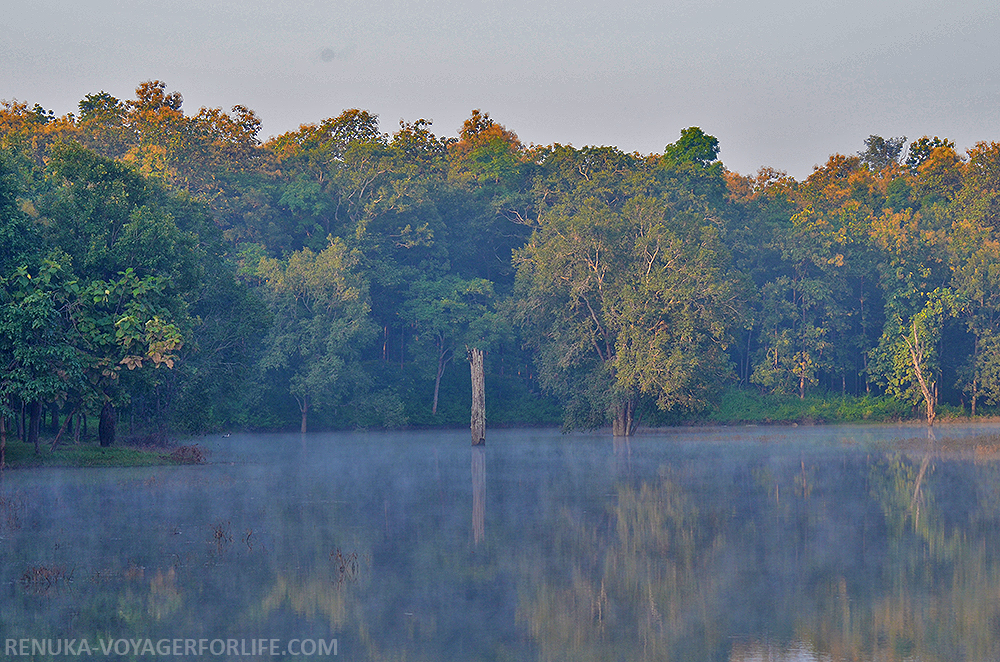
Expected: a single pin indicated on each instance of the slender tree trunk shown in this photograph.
(975, 381)
(106, 427)
(3, 441)
(975, 392)
(34, 423)
(62, 428)
(478, 397)
(443, 359)
(929, 400)
(304, 409)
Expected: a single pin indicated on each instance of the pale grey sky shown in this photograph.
(780, 84)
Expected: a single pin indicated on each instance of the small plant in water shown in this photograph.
(345, 566)
(41, 578)
(222, 535)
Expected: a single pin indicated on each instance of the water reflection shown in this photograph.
(478, 493)
(823, 544)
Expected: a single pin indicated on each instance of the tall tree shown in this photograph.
(320, 306)
(626, 300)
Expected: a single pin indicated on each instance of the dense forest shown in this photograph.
(168, 272)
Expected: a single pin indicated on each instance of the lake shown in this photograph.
(736, 544)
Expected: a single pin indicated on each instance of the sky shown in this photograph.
(780, 84)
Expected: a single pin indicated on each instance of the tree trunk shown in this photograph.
(106, 427)
(442, 363)
(916, 355)
(304, 408)
(478, 397)
(3, 441)
(55, 442)
(975, 381)
(34, 423)
(623, 424)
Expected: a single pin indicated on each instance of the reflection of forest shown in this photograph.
(851, 556)
(583, 551)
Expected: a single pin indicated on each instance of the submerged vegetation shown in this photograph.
(163, 272)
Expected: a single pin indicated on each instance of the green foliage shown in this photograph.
(879, 153)
(320, 306)
(906, 359)
(920, 150)
(745, 406)
(200, 279)
(625, 300)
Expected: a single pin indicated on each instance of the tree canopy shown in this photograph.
(173, 265)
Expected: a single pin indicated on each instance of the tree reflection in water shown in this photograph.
(478, 493)
(692, 545)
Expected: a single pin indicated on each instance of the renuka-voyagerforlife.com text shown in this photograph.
(171, 647)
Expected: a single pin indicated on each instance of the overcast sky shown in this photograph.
(779, 84)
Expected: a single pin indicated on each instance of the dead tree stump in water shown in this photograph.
(478, 397)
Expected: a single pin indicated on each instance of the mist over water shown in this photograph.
(827, 543)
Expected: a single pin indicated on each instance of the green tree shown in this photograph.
(907, 358)
(975, 266)
(449, 314)
(39, 362)
(879, 153)
(624, 297)
(920, 150)
(320, 306)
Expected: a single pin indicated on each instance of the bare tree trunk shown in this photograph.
(478, 397)
(55, 442)
(916, 355)
(3, 441)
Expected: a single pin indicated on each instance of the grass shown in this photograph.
(20, 455)
(751, 407)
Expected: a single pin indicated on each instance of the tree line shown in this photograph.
(167, 271)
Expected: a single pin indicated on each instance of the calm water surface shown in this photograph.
(830, 543)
